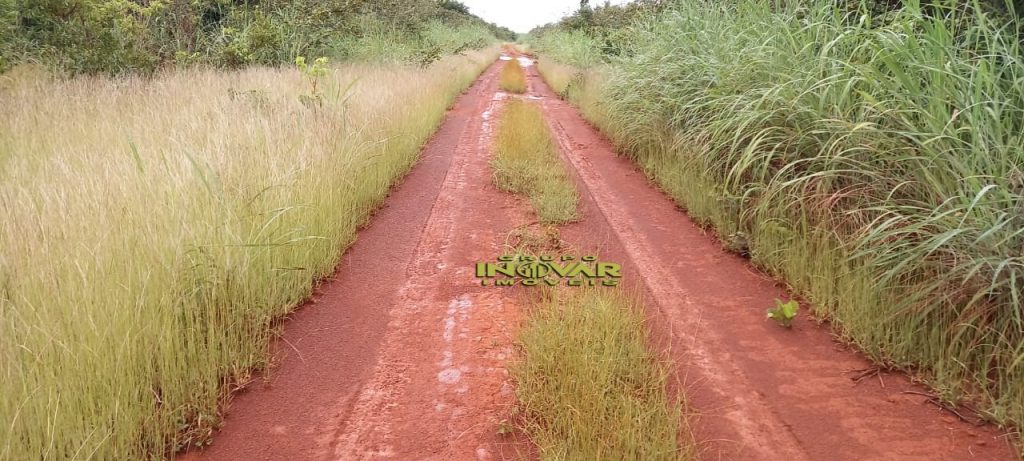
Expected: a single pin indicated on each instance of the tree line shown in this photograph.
(119, 36)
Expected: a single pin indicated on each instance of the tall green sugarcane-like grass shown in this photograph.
(574, 48)
(153, 230)
(874, 162)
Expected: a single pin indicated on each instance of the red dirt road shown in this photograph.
(402, 355)
(759, 391)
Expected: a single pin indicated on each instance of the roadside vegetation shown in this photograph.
(147, 249)
(158, 225)
(869, 153)
(557, 75)
(588, 386)
(132, 36)
(513, 77)
(526, 162)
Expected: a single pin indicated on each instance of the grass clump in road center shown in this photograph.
(526, 162)
(513, 77)
(589, 386)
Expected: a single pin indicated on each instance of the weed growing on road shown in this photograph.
(513, 77)
(588, 386)
(526, 161)
(784, 312)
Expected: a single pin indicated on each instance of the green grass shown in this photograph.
(580, 86)
(526, 161)
(384, 41)
(875, 162)
(558, 76)
(588, 386)
(153, 231)
(574, 48)
(512, 78)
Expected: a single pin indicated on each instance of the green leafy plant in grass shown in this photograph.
(784, 312)
(314, 73)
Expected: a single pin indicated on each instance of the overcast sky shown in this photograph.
(523, 15)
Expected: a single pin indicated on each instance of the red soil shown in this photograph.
(403, 355)
(758, 391)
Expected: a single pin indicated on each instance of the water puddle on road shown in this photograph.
(489, 112)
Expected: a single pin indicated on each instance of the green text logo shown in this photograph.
(548, 270)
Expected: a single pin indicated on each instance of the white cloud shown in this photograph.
(523, 15)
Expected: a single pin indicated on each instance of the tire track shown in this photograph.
(758, 391)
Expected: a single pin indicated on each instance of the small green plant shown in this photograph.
(313, 73)
(784, 313)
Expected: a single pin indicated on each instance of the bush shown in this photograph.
(124, 36)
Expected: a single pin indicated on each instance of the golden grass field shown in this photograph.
(154, 229)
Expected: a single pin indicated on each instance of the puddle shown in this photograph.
(525, 61)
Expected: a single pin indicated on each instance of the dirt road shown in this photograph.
(759, 391)
(402, 355)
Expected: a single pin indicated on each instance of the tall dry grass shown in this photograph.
(152, 231)
(557, 75)
(526, 162)
(513, 77)
(590, 388)
(579, 85)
